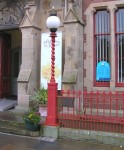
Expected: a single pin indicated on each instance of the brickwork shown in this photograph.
(85, 38)
(84, 55)
(84, 72)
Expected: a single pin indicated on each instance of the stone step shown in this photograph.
(8, 123)
(13, 123)
(6, 104)
(19, 131)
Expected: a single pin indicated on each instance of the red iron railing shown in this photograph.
(100, 111)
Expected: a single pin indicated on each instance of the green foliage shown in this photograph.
(40, 96)
(32, 116)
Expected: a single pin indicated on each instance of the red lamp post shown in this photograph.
(53, 23)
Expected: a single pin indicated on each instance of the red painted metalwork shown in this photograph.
(96, 83)
(52, 88)
(53, 35)
(52, 105)
(118, 84)
(100, 111)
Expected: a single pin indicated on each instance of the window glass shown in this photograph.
(120, 44)
(102, 39)
(102, 24)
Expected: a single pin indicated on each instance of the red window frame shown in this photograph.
(118, 34)
(96, 35)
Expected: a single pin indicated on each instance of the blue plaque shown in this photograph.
(103, 71)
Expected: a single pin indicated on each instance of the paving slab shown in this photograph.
(14, 142)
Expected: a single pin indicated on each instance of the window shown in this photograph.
(120, 46)
(16, 64)
(101, 42)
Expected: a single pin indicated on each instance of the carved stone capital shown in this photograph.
(112, 9)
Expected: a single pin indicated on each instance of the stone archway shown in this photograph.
(14, 15)
(11, 13)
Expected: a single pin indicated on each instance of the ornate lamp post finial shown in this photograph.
(53, 23)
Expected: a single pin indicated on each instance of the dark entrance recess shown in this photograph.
(5, 47)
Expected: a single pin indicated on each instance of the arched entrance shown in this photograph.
(29, 51)
(11, 14)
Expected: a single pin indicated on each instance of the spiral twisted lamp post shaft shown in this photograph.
(53, 35)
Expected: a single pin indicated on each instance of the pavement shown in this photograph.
(14, 142)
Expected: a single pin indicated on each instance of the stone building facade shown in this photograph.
(22, 22)
(25, 20)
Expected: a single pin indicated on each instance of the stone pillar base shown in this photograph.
(21, 109)
(23, 102)
(50, 131)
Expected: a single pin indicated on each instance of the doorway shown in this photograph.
(10, 54)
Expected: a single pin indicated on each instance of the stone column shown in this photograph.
(73, 68)
(29, 76)
(112, 41)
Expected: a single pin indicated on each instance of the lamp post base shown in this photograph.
(51, 119)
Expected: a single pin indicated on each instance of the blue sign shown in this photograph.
(103, 71)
